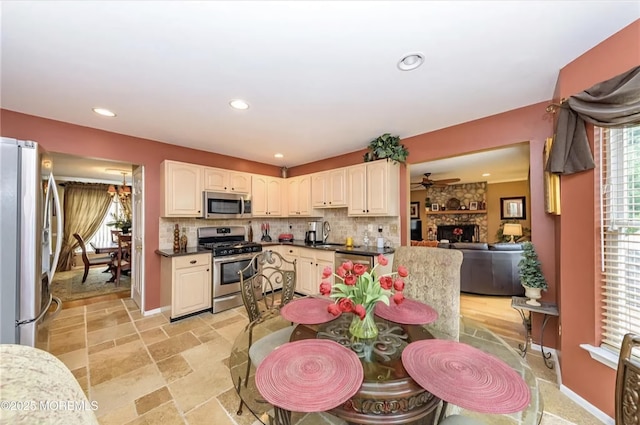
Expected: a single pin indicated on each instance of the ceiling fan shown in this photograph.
(427, 182)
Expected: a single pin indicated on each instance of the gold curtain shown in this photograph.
(551, 184)
(85, 206)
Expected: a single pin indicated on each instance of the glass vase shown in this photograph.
(365, 328)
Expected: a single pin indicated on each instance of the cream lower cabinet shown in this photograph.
(181, 189)
(310, 264)
(186, 280)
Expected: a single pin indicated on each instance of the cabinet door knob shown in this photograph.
(193, 261)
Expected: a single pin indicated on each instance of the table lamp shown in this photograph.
(512, 229)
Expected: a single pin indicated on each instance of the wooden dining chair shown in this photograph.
(627, 378)
(123, 256)
(114, 235)
(88, 262)
(259, 283)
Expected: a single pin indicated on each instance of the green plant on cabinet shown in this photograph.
(386, 147)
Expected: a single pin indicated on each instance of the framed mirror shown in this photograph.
(515, 208)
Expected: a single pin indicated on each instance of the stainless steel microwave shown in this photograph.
(226, 205)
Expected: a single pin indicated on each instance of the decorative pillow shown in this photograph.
(470, 245)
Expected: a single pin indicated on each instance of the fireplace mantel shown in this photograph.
(456, 212)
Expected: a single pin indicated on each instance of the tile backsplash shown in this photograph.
(342, 226)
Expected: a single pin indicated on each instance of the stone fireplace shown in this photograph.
(470, 232)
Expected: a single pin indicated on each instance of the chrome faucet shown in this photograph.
(326, 229)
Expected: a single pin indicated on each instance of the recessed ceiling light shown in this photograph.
(278, 155)
(411, 61)
(239, 104)
(104, 112)
(486, 174)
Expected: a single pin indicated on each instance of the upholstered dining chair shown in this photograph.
(627, 379)
(123, 256)
(434, 278)
(89, 262)
(267, 271)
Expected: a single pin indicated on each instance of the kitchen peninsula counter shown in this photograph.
(189, 251)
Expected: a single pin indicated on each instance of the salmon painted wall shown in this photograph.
(56, 136)
(529, 124)
(578, 241)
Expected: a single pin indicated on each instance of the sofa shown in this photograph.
(490, 269)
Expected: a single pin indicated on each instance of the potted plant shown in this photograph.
(530, 274)
(121, 221)
(386, 146)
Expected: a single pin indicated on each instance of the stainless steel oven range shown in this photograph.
(231, 253)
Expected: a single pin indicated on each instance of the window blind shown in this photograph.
(619, 160)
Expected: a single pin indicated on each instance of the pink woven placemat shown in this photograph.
(312, 375)
(307, 311)
(465, 376)
(410, 312)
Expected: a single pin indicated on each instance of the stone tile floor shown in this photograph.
(145, 370)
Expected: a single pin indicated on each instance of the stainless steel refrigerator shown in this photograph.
(28, 199)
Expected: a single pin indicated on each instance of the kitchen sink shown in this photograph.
(332, 245)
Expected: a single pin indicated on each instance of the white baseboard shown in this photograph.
(554, 357)
(152, 312)
(587, 406)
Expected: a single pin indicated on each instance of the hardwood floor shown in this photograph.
(494, 313)
(94, 300)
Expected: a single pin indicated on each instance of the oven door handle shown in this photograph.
(234, 258)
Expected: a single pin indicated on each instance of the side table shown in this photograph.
(525, 310)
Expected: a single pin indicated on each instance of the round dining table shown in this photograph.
(388, 394)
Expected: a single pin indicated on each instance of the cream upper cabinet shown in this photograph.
(181, 193)
(299, 197)
(329, 189)
(373, 189)
(220, 180)
(267, 196)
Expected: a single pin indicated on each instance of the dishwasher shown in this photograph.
(365, 259)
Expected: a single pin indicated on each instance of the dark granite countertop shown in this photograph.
(356, 250)
(190, 251)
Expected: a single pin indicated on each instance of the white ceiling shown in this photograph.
(321, 77)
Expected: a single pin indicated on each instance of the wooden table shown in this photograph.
(111, 249)
(525, 310)
(388, 394)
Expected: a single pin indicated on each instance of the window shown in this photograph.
(102, 237)
(619, 160)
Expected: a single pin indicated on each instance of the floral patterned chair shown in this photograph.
(434, 278)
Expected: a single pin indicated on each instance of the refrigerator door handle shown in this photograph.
(53, 188)
(42, 313)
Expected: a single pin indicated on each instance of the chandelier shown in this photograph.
(122, 191)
